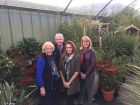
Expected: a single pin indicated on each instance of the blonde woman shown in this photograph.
(69, 72)
(87, 69)
(47, 74)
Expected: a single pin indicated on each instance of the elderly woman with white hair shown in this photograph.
(47, 74)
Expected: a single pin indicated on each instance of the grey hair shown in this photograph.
(46, 44)
(59, 34)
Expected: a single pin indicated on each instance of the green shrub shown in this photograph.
(6, 66)
(119, 45)
(74, 31)
(28, 47)
(10, 94)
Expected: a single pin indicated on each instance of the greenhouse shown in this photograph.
(110, 27)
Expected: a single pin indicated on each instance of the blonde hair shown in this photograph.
(90, 42)
(46, 44)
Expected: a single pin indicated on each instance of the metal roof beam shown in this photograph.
(128, 5)
(103, 9)
(66, 7)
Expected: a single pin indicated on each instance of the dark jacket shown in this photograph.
(43, 73)
(87, 65)
(57, 54)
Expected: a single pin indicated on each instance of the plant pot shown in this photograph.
(111, 70)
(108, 96)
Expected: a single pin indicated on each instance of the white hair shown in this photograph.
(46, 44)
(59, 35)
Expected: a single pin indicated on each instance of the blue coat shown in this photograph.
(43, 73)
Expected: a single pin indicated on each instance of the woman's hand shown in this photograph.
(66, 84)
(83, 75)
(42, 91)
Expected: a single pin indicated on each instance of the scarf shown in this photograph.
(67, 66)
(54, 70)
(85, 59)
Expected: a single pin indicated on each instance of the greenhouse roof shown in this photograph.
(75, 6)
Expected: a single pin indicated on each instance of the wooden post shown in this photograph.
(100, 41)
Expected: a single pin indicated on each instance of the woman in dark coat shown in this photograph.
(47, 75)
(69, 72)
(87, 69)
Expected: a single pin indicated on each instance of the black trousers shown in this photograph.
(70, 99)
(52, 97)
(47, 99)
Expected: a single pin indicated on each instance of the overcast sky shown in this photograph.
(63, 3)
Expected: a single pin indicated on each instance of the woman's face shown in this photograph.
(69, 48)
(49, 50)
(85, 43)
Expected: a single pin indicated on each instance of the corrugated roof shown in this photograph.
(77, 6)
(23, 4)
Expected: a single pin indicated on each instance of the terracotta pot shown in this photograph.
(111, 70)
(108, 95)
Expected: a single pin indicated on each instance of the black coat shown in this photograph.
(57, 54)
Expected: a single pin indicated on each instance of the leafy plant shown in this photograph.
(74, 31)
(119, 45)
(107, 82)
(131, 86)
(6, 67)
(10, 94)
(28, 46)
(118, 21)
(28, 78)
(7, 93)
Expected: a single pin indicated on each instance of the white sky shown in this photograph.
(63, 3)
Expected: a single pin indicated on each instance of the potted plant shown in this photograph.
(7, 93)
(107, 83)
(10, 95)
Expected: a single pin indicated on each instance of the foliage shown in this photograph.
(6, 67)
(8, 94)
(28, 47)
(119, 50)
(107, 82)
(131, 86)
(121, 19)
(0, 47)
(8, 71)
(23, 57)
(28, 77)
(119, 45)
(75, 31)
(72, 31)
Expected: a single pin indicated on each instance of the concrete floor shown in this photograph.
(99, 101)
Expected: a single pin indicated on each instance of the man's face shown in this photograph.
(59, 40)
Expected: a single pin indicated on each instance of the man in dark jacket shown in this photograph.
(59, 47)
